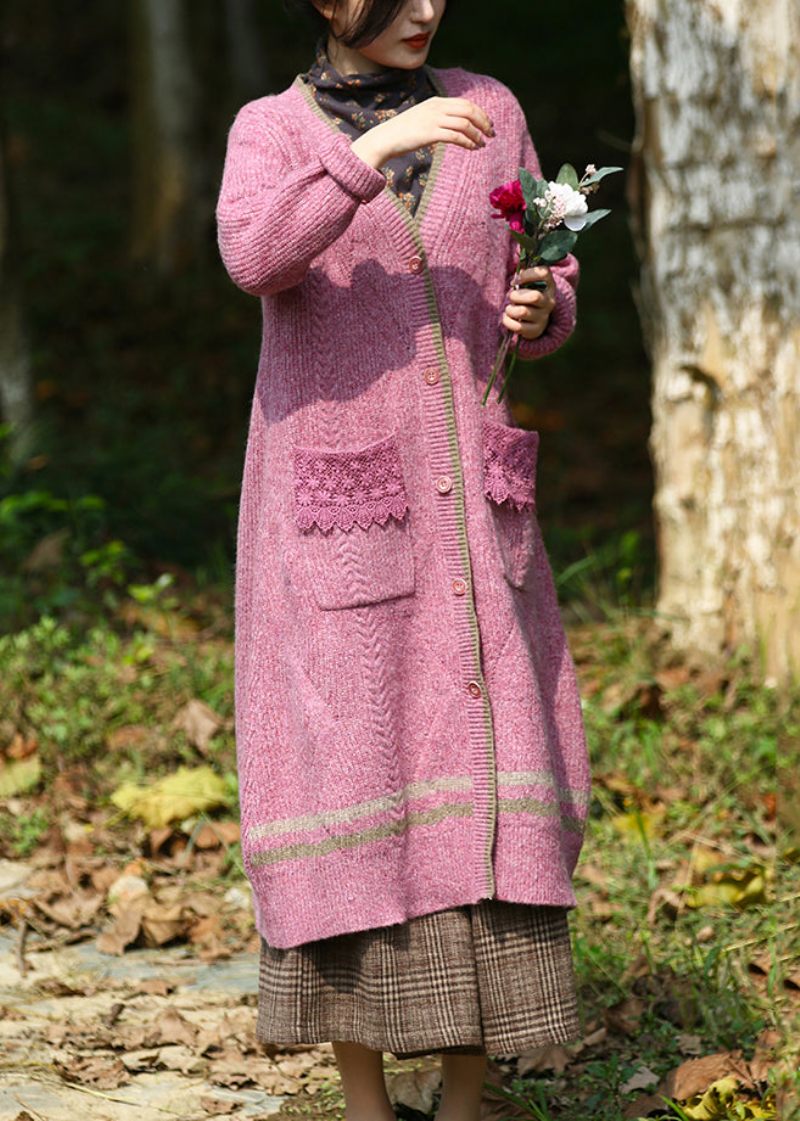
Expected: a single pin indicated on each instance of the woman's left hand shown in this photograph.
(529, 310)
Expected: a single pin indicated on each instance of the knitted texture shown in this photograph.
(409, 732)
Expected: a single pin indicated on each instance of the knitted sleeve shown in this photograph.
(274, 216)
(565, 273)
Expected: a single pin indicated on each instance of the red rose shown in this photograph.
(510, 201)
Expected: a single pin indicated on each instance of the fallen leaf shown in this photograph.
(48, 552)
(695, 1076)
(162, 924)
(216, 833)
(122, 932)
(20, 775)
(639, 1080)
(552, 1056)
(127, 735)
(632, 825)
(199, 721)
(414, 1089)
(174, 1028)
(625, 1016)
(103, 1072)
(188, 791)
(20, 747)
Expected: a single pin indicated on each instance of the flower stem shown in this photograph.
(498, 365)
(502, 350)
(510, 370)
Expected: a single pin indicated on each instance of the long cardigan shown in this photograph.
(408, 723)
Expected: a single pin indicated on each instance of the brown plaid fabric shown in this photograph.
(491, 976)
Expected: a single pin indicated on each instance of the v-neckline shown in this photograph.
(439, 152)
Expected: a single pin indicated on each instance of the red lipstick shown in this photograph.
(417, 42)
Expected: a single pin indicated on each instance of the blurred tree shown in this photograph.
(716, 87)
(16, 381)
(248, 62)
(170, 210)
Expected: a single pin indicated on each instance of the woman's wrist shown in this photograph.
(366, 149)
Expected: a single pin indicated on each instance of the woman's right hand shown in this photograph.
(455, 120)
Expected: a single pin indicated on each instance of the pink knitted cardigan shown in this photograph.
(408, 722)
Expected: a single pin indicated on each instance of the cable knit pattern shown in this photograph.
(334, 489)
(409, 734)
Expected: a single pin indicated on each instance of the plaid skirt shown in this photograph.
(490, 977)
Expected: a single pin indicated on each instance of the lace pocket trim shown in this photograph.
(509, 464)
(342, 488)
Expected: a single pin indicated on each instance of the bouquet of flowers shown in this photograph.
(545, 217)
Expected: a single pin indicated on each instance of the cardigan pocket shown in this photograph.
(509, 481)
(351, 511)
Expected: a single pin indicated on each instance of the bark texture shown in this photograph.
(715, 199)
(170, 205)
(16, 376)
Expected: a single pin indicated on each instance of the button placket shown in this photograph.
(438, 416)
(444, 484)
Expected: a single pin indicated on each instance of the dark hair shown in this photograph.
(372, 20)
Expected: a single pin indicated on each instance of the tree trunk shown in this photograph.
(247, 56)
(170, 214)
(16, 381)
(715, 199)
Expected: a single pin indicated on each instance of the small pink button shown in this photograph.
(474, 689)
(431, 375)
(444, 484)
(459, 586)
(414, 264)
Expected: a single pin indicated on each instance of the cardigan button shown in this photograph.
(474, 689)
(459, 586)
(414, 264)
(444, 484)
(431, 375)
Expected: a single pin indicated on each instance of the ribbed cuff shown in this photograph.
(560, 325)
(349, 170)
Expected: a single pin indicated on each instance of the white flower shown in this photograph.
(568, 205)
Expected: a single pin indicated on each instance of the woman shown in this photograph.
(414, 779)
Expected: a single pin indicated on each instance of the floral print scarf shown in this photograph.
(356, 102)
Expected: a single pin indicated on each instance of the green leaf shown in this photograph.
(568, 174)
(600, 174)
(555, 245)
(525, 240)
(530, 185)
(592, 217)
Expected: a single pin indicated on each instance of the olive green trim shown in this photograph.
(352, 840)
(418, 789)
(359, 809)
(301, 849)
